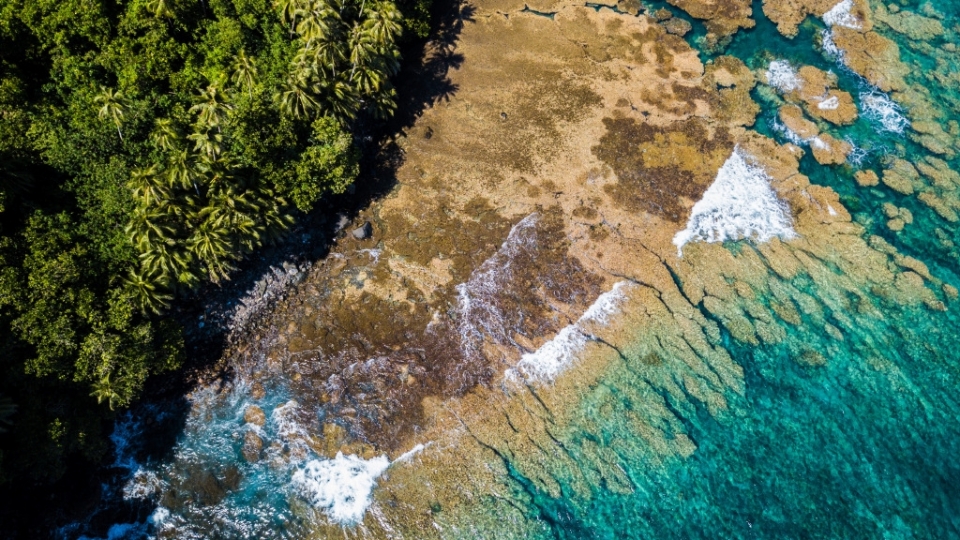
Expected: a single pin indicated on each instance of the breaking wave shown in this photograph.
(554, 356)
(341, 487)
(878, 107)
(840, 15)
(739, 204)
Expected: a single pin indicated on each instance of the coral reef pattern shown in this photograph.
(520, 351)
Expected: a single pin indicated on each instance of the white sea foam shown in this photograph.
(782, 76)
(286, 420)
(480, 317)
(340, 487)
(818, 143)
(554, 356)
(857, 154)
(739, 204)
(840, 15)
(829, 104)
(143, 484)
(158, 517)
(788, 133)
(830, 46)
(410, 453)
(879, 107)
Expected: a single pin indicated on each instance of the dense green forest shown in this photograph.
(147, 146)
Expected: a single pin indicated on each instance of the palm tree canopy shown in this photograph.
(113, 105)
(244, 71)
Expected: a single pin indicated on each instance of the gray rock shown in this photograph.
(364, 232)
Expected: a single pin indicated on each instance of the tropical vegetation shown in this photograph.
(146, 147)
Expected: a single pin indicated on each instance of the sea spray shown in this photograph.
(479, 317)
(340, 487)
(739, 204)
(841, 15)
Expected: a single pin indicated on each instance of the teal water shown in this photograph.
(865, 445)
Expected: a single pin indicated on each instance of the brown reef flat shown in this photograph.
(565, 159)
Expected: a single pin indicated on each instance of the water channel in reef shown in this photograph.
(846, 426)
(856, 441)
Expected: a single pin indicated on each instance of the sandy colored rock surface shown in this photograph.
(829, 151)
(792, 117)
(788, 14)
(873, 56)
(562, 161)
(722, 17)
(866, 178)
(820, 97)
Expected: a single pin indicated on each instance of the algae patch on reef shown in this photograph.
(662, 170)
(523, 313)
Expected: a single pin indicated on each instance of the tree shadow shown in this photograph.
(209, 317)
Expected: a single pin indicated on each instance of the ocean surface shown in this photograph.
(847, 427)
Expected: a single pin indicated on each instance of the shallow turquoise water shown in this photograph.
(852, 449)
(840, 451)
(864, 446)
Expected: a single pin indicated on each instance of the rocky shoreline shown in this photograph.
(568, 154)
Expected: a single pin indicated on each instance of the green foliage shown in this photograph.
(347, 52)
(329, 164)
(416, 17)
(147, 146)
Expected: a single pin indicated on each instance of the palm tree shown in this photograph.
(297, 100)
(385, 102)
(362, 47)
(165, 263)
(165, 134)
(113, 106)
(311, 27)
(147, 191)
(329, 53)
(382, 23)
(207, 143)
(244, 71)
(180, 171)
(146, 228)
(341, 99)
(160, 8)
(288, 11)
(103, 391)
(210, 242)
(143, 289)
(367, 79)
(210, 108)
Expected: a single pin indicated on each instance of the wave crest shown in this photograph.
(739, 204)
